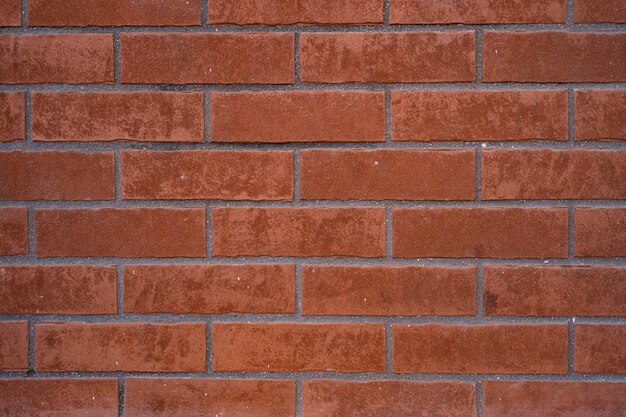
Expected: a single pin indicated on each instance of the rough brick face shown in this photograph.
(553, 398)
(600, 232)
(477, 11)
(600, 349)
(554, 57)
(58, 289)
(299, 347)
(387, 57)
(140, 347)
(496, 348)
(250, 231)
(387, 175)
(300, 116)
(131, 233)
(207, 58)
(62, 58)
(600, 115)
(554, 291)
(13, 231)
(479, 115)
(185, 397)
(57, 176)
(113, 13)
(540, 174)
(312, 208)
(11, 13)
(387, 398)
(600, 11)
(209, 289)
(388, 291)
(159, 117)
(13, 347)
(286, 12)
(212, 175)
(12, 117)
(70, 397)
(479, 233)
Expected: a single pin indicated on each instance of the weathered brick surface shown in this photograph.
(312, 208)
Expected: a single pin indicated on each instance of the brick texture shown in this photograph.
(57, 176)
(211, 175)
(162, 117)
(113, 13)
(62, 58)
(12, 117)
(497, 348)
(301, 116)
(58, 289)
(207, 58)
(554, 57)
(299, 347)
(13, 346)
(312, 208)
(477, 11)
(120, 347)
(286, 12)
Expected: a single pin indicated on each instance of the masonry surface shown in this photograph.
(313, 208)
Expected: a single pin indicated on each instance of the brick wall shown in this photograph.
(317, 208)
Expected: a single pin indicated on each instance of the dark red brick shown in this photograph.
(600, 114)
(13, 231)
(600, 11)
(13, 348)
(600, 232)
(12, 116)
(600, 349)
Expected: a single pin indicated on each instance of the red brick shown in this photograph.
(298, 116)
(387, 399)
(209, 289)
(554, 56)
(554, 291)
(295, 347)
(600, 349)
(208, 397)
(57, 176)
(388, 291)
(11, 13)
(210, 175)
(61, 289)
(388, 57)
(207, 58)
(600, 114)
(449, 232)
(56, 58)
(600, 11)
(113, 13)
(479, 115)
(553, 398)
(129, 233)
(387, 174)
(477, 11)
(12, 116)
(13, 231)
(13, 348)
(141, 347)
(600, 232)
(141, 116)
(545, 174)
(287, 12)
(252, 231)
(485, 349)
(67, 397)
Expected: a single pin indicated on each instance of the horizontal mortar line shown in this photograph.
(340, 87)
(363, 204)
(347, 261)
(109, 146)
(307, 375)
(294, 318)
(346, 28)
